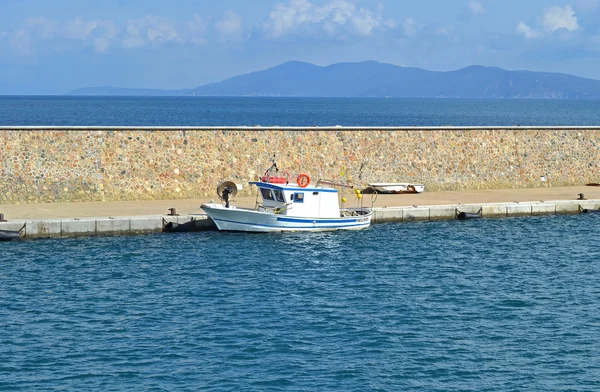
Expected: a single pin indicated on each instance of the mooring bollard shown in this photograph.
(2, 218)
(173, 212)
(581, 196)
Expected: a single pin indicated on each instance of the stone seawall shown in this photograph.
(95, 164)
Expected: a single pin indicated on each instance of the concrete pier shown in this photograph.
(492, 210)
(57, 220)
(123, 225)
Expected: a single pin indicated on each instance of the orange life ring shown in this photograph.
(303, 180)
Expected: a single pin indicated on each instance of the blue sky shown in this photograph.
(54, 46)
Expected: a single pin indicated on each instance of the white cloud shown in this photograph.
(230, 27)
(332, 19)
(556, 18)
(448, 33)
(42, 27)
(364, 22)
(196, 29)
(21, 42)
(24, 38)
(101, 33)
(443, 30)
(411, 27)
(79, 29)
(476, 7)
(320, 19)
(133, 38)
(41, 32)
(149, 30)
(527, 31)
(102, 45)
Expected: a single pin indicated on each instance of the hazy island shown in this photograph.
(374, 79)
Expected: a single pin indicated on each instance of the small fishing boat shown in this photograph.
(287, 207)
(397, 187)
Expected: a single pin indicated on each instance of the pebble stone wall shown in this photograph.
(104, 165)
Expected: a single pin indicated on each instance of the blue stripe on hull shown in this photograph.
(309, 225)
(310, 221)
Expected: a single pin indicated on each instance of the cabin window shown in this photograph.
(298, 197)
(278, 195)
(266, 194)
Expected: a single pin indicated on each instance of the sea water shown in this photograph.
(481, 305)
(250, 111)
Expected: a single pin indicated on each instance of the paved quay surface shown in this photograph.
(41, 211)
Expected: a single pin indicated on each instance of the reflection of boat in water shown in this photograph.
(396, 187)
(287, 207)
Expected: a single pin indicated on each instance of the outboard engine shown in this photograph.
(225, 190)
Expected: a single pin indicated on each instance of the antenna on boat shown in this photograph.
(269, 172)
(360, 170)
(274, 164)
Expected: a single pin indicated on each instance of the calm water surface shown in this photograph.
(484, 305)
(214, 111)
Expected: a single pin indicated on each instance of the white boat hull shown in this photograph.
(241, 219)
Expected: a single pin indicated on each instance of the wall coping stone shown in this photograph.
(290, 128)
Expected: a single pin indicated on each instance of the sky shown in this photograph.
(55, 46)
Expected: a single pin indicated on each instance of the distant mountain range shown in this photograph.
(373, 79)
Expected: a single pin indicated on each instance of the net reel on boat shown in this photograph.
(225, 190)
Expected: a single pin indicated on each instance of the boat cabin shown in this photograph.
(294, 200)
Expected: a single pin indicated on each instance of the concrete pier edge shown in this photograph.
(130, 225)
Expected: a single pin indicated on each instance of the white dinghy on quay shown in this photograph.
(287, 207)
(397, 187)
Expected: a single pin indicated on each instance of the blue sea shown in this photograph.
(481, 305)
(211, 111)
